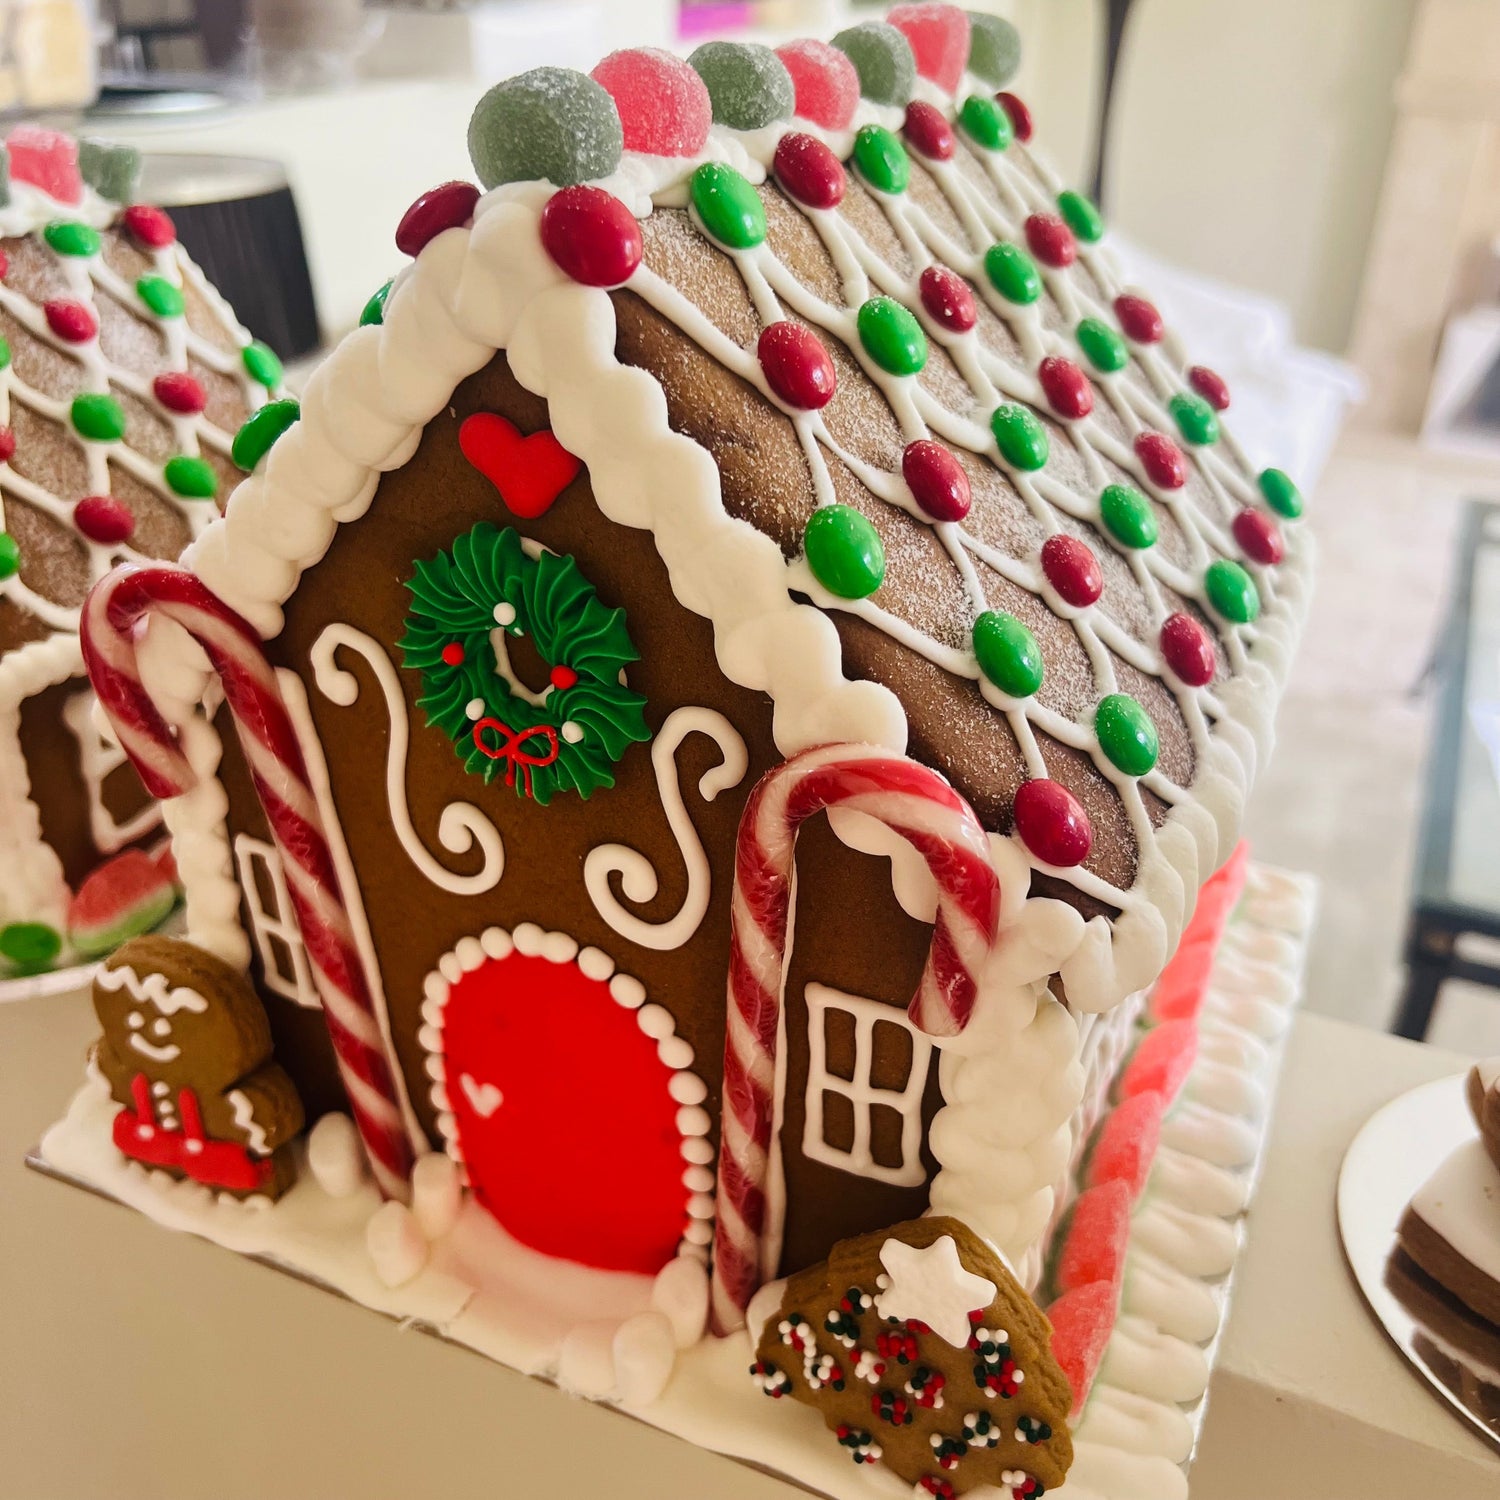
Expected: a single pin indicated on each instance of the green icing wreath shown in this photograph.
(570, 734)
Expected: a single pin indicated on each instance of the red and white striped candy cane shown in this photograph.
(916, 803)
(112, 615)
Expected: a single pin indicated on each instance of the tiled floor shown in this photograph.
(1341, 797)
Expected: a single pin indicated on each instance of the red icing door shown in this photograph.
(563, 1114)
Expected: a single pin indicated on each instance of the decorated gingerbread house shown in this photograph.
(771, 438)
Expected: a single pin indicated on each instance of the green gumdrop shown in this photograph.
(881, 159)
(844, 551)
(192, 478)
(258, 434)
(1126, 734)
(1008, 653)
(374, 309)
(550, 124)
(10, 554)
(883, 59)
(1231, 591)
(111, 169)
(729, 207)
(30, 946)
(747, 83)
(994, 48)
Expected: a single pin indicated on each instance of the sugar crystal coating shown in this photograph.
(749, 85)
(994, 49)
(883, 59)
(663, 105)
(824, 82)
(939, 37)
(550, 124)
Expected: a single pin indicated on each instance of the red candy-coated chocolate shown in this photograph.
(928, 131)
(1210, 385)
(1139, 319)
(1259, 537)
(1073, 570)
(1020, 115)
(797, 366)
(180, 392)
(1052, 823)
(948, 299)
(47, 159)
(937, 480)
(444, 207)
(1162, 460)
(104, 518)
(592, 236)
(1066, 386)
(662, 103)
(824, 81)
(71, 321)
(808, 170)
(149, 226)
(7, 445)
(939, 37)
(1051, 240)
(1187, 649)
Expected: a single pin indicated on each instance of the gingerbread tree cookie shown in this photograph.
(923, 1353)
(187, 1050)
(1484, 1101)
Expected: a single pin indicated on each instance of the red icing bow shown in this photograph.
(510, 751)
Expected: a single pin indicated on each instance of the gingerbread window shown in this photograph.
(119, 811)
(284, 965)
(867, 1071)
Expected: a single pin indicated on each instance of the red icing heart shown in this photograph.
(530, 472)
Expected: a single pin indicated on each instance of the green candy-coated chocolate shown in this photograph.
(1126, 734)
(730, 209)
(551, 125)
(1281, 494)
(892, 336)
(259, 432)
(882, 159)
(1231, 591)
(192, 478)
(994, 48)
(1012, 273)
(262, 365)
(99, 418)
(1081, 216)
(986, 122)
(374, 309)
(747, 84)
(1104, 347)
(1127, 516)
(4, 352)
(10, 554)
(1021, 438)
(883, 59)
(844, 551)
(68, 237)
(30, 946)
(1008, 653)
(1195, 418)
(4, 178)
(112, 170)
(164, 299)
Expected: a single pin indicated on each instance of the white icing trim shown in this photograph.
(244, 1119)
(153, 989)
(99, 755)
(250, 854)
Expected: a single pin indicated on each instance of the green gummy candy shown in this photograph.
(550, 124)
(112, 170)
(883, 59)
(30, 946)
(994, 49)
(748, 84)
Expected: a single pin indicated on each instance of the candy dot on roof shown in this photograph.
(446, 206)
(824, 82)
(937, 480)
(550, 124)
(149, 226)
(881, 159)
(1231, 591)
(1162, 460)
(1104, 347)
(1008, 653)
(259, 432)
(748, 84)
(994, 49)
(71, 321)
(111, 168)
(729, 208)
(948, 299)
(261, 364)
(1051, 240)
(591, 236)
(47, 159)
(797, 366)
(1187, 650)
(69, 237)
(1020, 115)
(1052, 823)
(1127, 516)
(1259, 537)
(1066, 387)
(7, 444)
(10, 555)
(373, 311)
(808, 170)
(179, 392)
(1195, 419)
(1126, 734)
(892, 337)
(1139, 318)
(939, 37)
(1073, 570)
(1082, 217)
(663, 105)
(985, 122)
(1012, 273)
(1210, 386)
(883, 59)
(160, 295)
(192, 478)
(929, 131)
(105, 519)
(1281, 494)
(1022, 439)
(844, 551)
(98, 417)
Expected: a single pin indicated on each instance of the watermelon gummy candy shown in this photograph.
(663, 105)
(939, 37)
(883, 59)
(1124, 1145)
(124, 897)
(749, 85)
(824, 81)
(1082, 1321)
(47, 159)
(1161, 1061)
(1183, 986)
(1095, 1236)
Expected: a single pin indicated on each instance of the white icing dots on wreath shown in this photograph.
(505, 613)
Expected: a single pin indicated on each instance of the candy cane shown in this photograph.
(916, 803)
(115, 608)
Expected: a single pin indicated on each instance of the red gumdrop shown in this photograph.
(47, 159)
(825, 81)
(7, 445)
(939, 37)
(1082, 1321)
(180, 392)
(1020, 115)
(1210, 385)
(1066, 387)
(663, 104)
(1259, 537)
(1162, 460)
(592, 236)
(1188, 650)
(1051, 240)
(797, 366)
(809, 171)
(105, 519)
(447, 206)
(1073, 570)
(929, 132)
(71, 321)
(948, 299)
(1124, 1146)
(1161, 1062)
(1139, 319)
(1183, 986)
(149, 226)
(1098, 1237)
(937, 480)
(1052, 823)
(562, 678)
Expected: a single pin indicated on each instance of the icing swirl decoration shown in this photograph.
(467, 604)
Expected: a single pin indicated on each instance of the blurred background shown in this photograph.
(1311, 192)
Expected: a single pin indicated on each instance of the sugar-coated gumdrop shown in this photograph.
(994, 50)
(939, 37)
(824, 81)
(1096, 1237)
(1082, 1322)
(550, 124)
(1161, 1061)
(809, 171)
(1124, 1146)
(591, 236)
(124, 897)
(663, 105)
(47, 159)
(749, 85)
(883, 59)
(1183, 986)
(111, 169)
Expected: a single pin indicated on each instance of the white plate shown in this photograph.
(53, 982)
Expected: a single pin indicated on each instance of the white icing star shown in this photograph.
(931, 1286)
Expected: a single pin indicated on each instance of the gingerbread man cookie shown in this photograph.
(1484, 1101)
(923, 1353)
(187, 1050)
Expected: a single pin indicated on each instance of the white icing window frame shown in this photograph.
(281, 924)
(860, 1092)
(99, 757)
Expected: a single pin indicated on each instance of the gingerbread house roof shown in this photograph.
(825, 325)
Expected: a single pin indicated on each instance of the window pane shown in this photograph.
(838, 1122)
(838, 1039)
(885, 1136)
(892, 1064)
